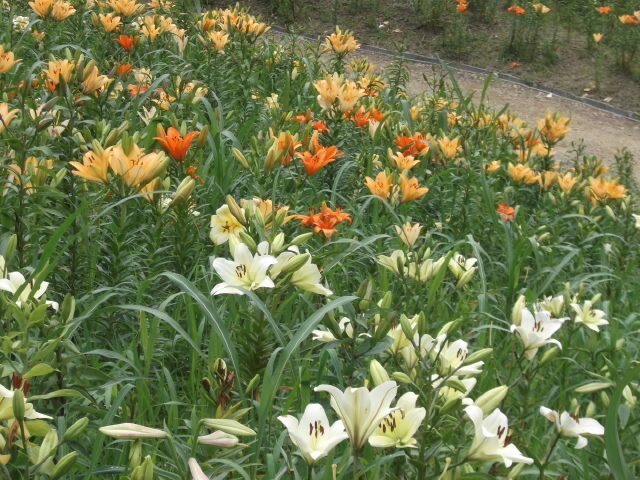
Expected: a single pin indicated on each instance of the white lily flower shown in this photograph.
(592, 318)
(196, 471)
(219, 439)
(570, 426)
(553, 305)
(6, 407)
(536, 332)
(132, 430)
(400, 340)
(14, 282)
(452, 357)
(408, 232)
(308, 278)
(424, 346)
(224, 225)
(361, 410)
(245, 271)
(325, 336)
(450, 394)
(398, 427)
(395, 262)
(312, 434)
(492, 440)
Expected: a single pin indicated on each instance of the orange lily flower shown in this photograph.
(320, 157)
(360, 117)
(410, 189)
(303, 117)
(603, 10)
(123, 68)
(506, 212)
(175, 144)
(515, 9)
(126, 41)
(415, 145)
(325, 221)
(320, 126)
(381, 186)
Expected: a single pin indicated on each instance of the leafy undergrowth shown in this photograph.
(224, 257)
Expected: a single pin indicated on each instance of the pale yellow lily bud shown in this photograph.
(248, 241)
(516, 311)
(516, 471)
(490, 399)
(228, 426)
(235, 209)
(302, 238)
(593, 387)
(378, 374)
(549, 354)
(591, 410)
(401, 377)
(605, 399)
(240, 158)
(129, 431)
(184, 191)
(64, 465)
(478, 356)
(296, 263)
(143, 471)
(277, 244)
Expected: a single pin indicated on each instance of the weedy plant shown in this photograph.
(224, 256)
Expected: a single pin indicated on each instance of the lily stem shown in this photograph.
(356, 463)
(552, 446)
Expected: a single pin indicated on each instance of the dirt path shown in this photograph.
(602, 133)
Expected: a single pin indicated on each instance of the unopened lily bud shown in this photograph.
(591, 410)
(385, 302)
(239, 156)
(490, 399)
(448, 328)
(277, 244)
(228, 426)
(160, 131)
(68, 307)
(202, 137)
(302, 238)
(252, 384)
(130, 431)
(60, 174)
(63, 466)
(592, 387)
(456, 384)
(549, 354)
(18, 406)
(135, 455)
(407, 326)
(219, 439)
(48, 446)
(144, 471)
(88, 68)
(610, 212)
(95, 21)
(401, 377)
(75, 430)
(127, 144)
(619, 344)
(465, 278)
(552, 198)
(516, 311)
(235, 210)
(10, 250)
(596, 298)
(296, 263)
(270, 159)
(378, 374)
(478, 356)
(605, 399)
(44, 123)
(280, 217)
(248, 241)
(184, 191)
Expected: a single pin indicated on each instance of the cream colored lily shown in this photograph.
(361, 410)
(398, 428)
(313, 434)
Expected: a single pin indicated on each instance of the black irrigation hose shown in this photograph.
(425, 60)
